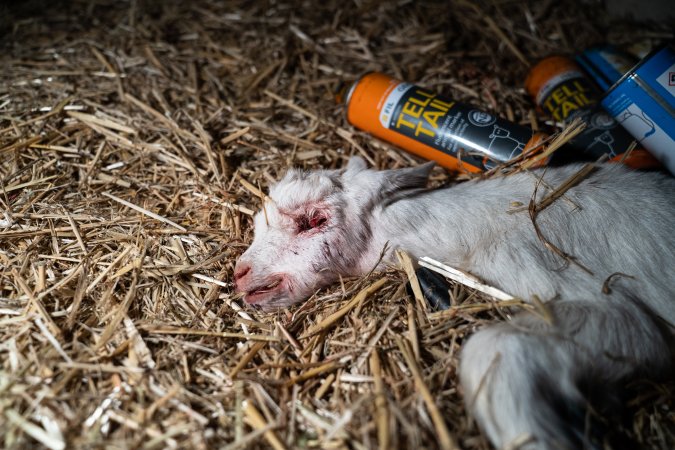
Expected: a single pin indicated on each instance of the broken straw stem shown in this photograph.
(463, 278)
(144, 211)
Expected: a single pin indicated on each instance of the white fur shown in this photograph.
(525, 377)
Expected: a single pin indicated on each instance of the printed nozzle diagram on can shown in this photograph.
(457, 136)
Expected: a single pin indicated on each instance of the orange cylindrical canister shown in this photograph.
(455, 135)
(561, 89)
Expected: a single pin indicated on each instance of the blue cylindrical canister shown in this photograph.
(605, 64)
(643, 102)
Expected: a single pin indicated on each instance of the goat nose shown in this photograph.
(240, 271)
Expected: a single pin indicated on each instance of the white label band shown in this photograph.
(391, 101)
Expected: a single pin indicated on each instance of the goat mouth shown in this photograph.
(264, 292)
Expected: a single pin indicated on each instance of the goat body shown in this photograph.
(611, 302)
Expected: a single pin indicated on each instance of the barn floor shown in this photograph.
(135, 137)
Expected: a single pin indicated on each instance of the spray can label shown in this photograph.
(566, 96)
(563, 91)
(457, 136)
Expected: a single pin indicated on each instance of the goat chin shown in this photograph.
(535, 381)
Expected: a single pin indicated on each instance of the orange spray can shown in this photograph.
(457, 136)
(560, 88)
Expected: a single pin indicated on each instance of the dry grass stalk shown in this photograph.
(534, 208)
(445, 439)
(257, 421)
(572, 130)
(333, 318)
(145, 211)
(464, 278)
(409, 269)
(382, 414)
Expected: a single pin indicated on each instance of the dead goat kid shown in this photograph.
(526, 377)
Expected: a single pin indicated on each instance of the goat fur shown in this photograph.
(526, 380)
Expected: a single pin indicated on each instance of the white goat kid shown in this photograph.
(526, 377)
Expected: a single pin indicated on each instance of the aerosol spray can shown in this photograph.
(605, 64)
(455, 135)
(643, 102)
(561, 89)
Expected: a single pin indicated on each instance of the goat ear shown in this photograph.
(403, 179)
(355, 165)
(370, 187)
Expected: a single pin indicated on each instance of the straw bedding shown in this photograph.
(135, 140)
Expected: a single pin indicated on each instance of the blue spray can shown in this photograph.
(605, 64)
(643, 102)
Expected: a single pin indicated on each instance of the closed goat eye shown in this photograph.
(307, 222)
